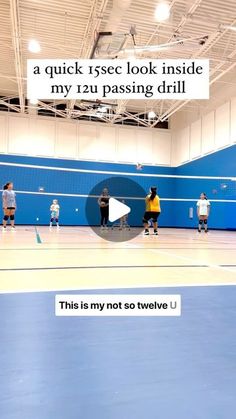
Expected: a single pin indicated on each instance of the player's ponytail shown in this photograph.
(153, 193)
(5, 187)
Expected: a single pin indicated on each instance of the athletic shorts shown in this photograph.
(11, 208)
(203, 217)
(151, 215)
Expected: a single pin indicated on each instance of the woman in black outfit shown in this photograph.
(103, 202)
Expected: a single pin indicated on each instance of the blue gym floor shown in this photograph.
(119, 368)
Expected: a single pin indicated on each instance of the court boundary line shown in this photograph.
(64, 268)
(112, 248)
(210, 266)
(38, 238)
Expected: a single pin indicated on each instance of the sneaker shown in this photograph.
(58, 227)
(13, 228)
(146, 233)
(4, 229)
(199, 230)
(155, 233)
(206, 231)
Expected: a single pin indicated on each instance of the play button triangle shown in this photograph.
(117, 210)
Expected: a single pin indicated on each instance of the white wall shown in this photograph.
(60, 138)
(207, 134)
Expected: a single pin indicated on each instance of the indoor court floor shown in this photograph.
(117, 367)
(75, 258)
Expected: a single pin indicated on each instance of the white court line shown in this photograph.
(193, 261)
(213, 234)
(144, 286)
(117, 197)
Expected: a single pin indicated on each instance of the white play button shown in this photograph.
(117, 210)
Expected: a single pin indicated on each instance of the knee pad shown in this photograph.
(6, 217)
(200, 221)
(12, 217)
(56, 219)
(205, 221)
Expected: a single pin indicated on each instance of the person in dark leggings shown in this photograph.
(103, 202)
(203, 211)
(9, 206)
(153, 210)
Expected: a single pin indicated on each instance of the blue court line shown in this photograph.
(38, 238)
(108, 267)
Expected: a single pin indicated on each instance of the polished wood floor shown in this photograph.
(76, 258)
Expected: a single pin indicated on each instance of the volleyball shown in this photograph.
(139, 166)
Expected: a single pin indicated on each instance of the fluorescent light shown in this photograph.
(162, 11)
(34, 46)
(33, 101)
(131, 54)
(151, 115)
(103, 109)
(232, 28)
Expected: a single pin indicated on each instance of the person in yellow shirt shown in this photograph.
(153, 210)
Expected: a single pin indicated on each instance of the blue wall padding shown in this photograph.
(220, 163)
(174, 213)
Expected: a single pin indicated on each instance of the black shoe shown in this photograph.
(199, 230)
(206, 231)
(146, 233)
(155, 233)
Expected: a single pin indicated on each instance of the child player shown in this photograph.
(203, 211)
(55, 209)
(9, 206)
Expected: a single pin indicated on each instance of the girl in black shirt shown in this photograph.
(103, 202)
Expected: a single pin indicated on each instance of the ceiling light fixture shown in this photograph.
(103, 109)
(151, 115)
(34, 46)
(33, 101)
(162, 11)
(131, 54)
(231, 28)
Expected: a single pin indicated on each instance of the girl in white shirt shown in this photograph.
(55, 209)
(203, 211)
(9, 206)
